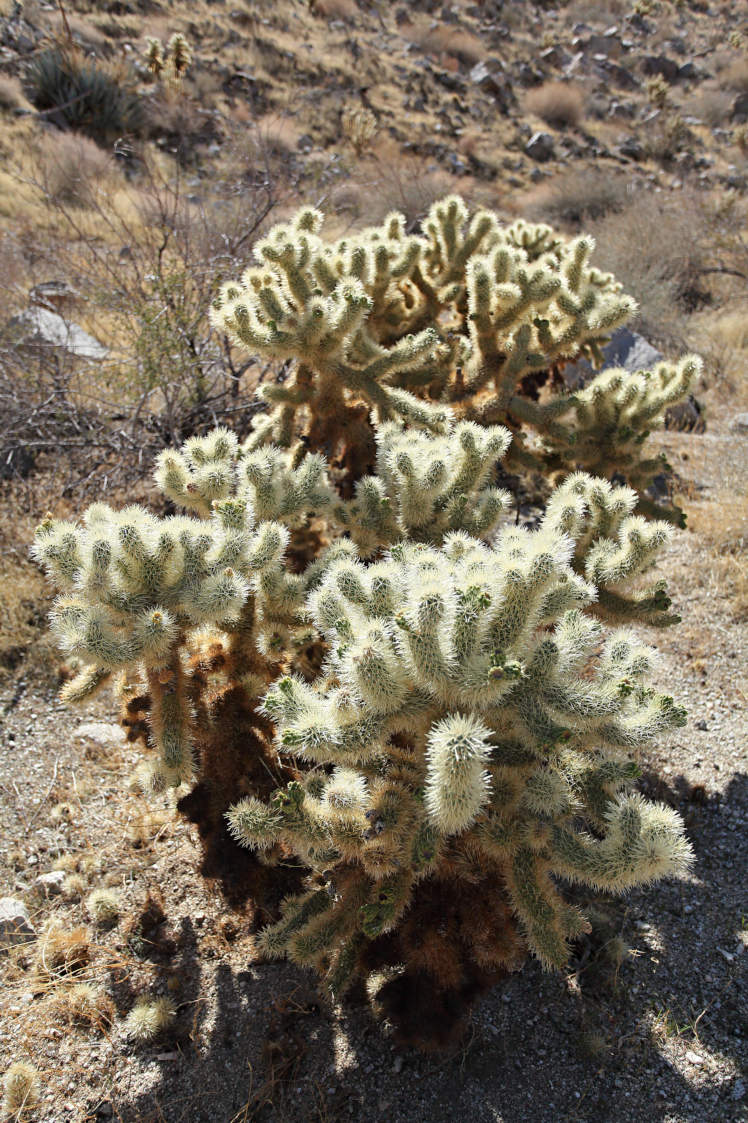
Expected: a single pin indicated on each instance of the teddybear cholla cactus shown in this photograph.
(470, 717)
(475, 726)
(401, 712)
(469, 312)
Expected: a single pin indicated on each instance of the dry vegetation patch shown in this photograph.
(557, 103)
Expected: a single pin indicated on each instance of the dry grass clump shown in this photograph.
(24, 592)
(408, 186)
(735, 76)
(740, 138)
(557, 103)
(11, 94)
(575, 198)
(666, 137)
(731, 332)
(605, 12)
(62, 951)
(658, 91)
(444, 39)
(721, 527)
(359, 127)
(74, 886)
(21, 1091)
(711, 106)
(144, 827)
(725, 341)
(335, 9)
(73, 168)
(85, 1005)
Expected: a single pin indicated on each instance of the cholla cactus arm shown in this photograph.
(84, 683)
(527, 310)
(458, 784)
(613, 548)
(283, 486)
(309, 301)
(170, 724)
(607, 422)
(427, 486)
(202, 472)
(138, 591)
(643, 842)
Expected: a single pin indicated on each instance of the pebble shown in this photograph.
(50, 884)
(15, 925)
(103, 731)
(694, 1058)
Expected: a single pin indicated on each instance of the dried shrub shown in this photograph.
(447, 40)
(62, 951)
(85, 1005)
(557, 103)
(735, 76)
(712, 107)
(658, 251)
(667, 136)
(11, 94)
(335, 9)
(575, 198)
(73, 168)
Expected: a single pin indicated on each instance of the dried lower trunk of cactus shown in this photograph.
(457, 940)
(346, 437)
(234, 757)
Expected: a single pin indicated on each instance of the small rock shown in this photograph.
(686, 416)
(740, 423)
(739, 111)
(608, 45)
(53, 294)
(528, 76)
(619, 76)
(631, 148)
(102, 731)
(489, 76)
(701, 725)
(694, 1058)
(688, 72)
(50, 884)
(540, 147)
(398, 1065)
(666, 67)
(738, 1090)
(15, 926)
(40, 326)
(625, 349)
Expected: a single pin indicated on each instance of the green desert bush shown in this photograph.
(380, 697)
(78, 93)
